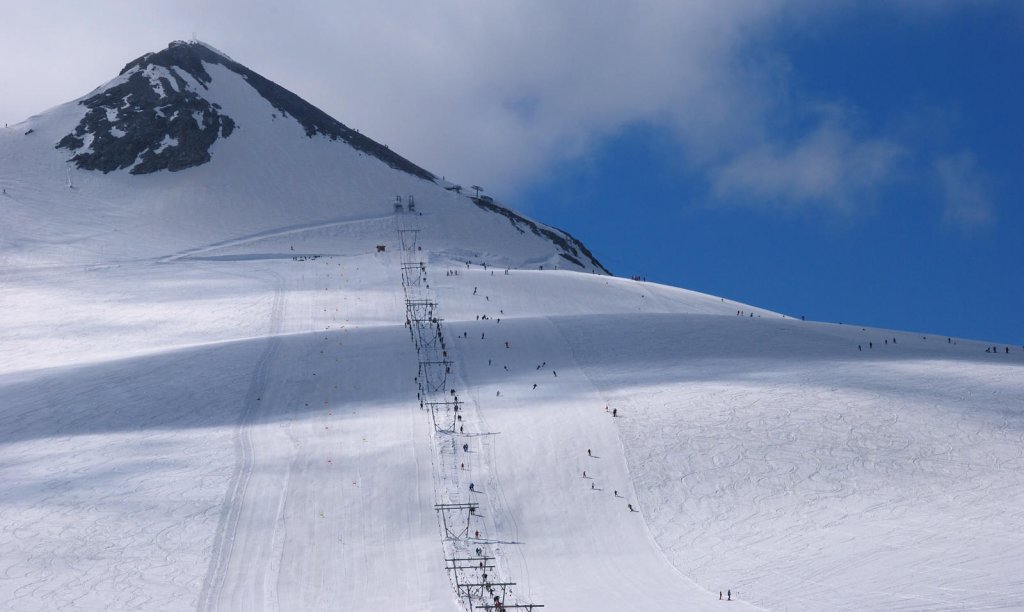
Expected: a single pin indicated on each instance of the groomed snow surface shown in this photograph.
(239, 430)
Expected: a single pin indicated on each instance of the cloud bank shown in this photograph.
(499, 93)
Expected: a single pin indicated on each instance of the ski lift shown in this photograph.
(398, 204)
(412, 204)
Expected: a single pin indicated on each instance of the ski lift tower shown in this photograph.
(398, 205)
(412, 204)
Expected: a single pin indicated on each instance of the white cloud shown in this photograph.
(492, 93)
(966, 191)
(829, 167)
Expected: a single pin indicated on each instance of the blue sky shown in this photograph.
(850, 160)
(947, 88)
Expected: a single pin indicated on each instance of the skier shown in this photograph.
(555, 373)
(615, 412)
(465, 448)
(728, 594)
(474, 290)
(471, 487)
(630, 506)
(584, 473)
(534, 385)
(588, 451)
(506, 344)
(591, 486)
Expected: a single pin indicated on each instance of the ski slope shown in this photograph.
(243, 433)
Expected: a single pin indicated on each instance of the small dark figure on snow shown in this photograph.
(589, 453)
(728, 594)
(615, 412)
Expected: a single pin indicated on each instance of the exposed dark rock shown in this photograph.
(151, 121)
(572, 249)
(169, 132)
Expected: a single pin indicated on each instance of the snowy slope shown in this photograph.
(273, 162)
(215, 408)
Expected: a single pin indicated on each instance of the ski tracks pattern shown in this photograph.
(234, 499)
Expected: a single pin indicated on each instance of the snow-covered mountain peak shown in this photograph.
(158, 115)
(187, 148)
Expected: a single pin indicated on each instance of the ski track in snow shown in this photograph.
(226, 528)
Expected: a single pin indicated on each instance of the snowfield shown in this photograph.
(244, 434)
(210, 399)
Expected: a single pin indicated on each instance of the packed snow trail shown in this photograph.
(227, 526)
(586, 549)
